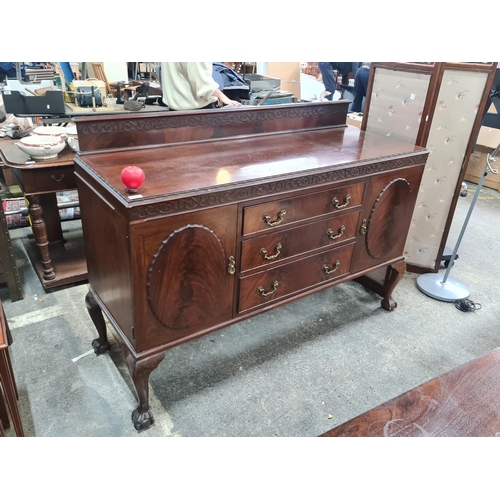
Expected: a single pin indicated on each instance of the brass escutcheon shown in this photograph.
(325, 267)
(263, 251)
(231, 266)
(363, 227)
(266, 218)
(340, 233)
(266, 294)
(335, 201)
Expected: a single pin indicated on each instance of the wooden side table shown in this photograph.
(58, 260)
(7, 381)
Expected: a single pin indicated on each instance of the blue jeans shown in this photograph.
(344, 68)
(360, 86)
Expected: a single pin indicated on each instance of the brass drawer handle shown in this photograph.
(59, 179)
(325, 267)
(263, 251)
(335, 201)
(231, 266)
(340, 233)
(266, 294)
(266, 218)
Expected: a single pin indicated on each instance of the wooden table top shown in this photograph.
(13, 157)
(464, 402)
(187, 168)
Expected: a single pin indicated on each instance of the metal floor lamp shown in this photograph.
(439, 286)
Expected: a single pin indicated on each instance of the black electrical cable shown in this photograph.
(467, 305)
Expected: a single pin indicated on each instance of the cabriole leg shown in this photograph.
(140, 372)
(394, 274)
(101, 344)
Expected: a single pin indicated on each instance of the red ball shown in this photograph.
(133, 177)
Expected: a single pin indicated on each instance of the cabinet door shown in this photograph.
(182, 278)
(385, 217)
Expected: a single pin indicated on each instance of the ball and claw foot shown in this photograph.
(395, 273)
(100, 347)
(389, 305)
(142, 421)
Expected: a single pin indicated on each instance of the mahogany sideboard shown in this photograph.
(242, 210)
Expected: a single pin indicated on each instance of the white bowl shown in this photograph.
(40, 147)
(73, 143)
(72, 139)
(71, 130)
(54, 131)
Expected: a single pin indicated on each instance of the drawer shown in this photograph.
(279, 213)
(55, 179)
(281, 245)
(280, 282)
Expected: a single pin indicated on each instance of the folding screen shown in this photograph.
(438, 106)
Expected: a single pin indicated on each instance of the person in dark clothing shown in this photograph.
(360, 86)
(327, 70)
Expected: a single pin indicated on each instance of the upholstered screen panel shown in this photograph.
(452, 122)
(396, 110)
(397, 102)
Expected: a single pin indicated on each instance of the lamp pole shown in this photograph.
(439, 286)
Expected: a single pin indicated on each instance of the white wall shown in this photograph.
(116, 71)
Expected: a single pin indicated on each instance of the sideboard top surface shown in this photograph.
(188, 168)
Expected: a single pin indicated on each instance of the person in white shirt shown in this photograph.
(190, 85)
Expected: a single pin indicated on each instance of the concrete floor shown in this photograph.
(296, 371)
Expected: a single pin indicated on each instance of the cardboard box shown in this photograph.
(489, 137)
(487, 140)
(354, 119)
(477, 165)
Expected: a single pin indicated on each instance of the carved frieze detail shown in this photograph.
(391, 186)
(209, 119)
(242, 193)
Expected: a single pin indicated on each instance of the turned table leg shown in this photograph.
(101, 344)
(52, 218)
(394, 274)
(40, 232)
(140, 370)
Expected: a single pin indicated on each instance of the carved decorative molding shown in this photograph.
(374, 208)
(209, 119)
(243, 193)
(201, 250)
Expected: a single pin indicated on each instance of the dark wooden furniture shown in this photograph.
(242, 211)
(57, 259)
(8, 268)
(464, 402)
(7, 381)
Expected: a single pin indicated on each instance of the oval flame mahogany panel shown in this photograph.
(187, 272)
(385, 236)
